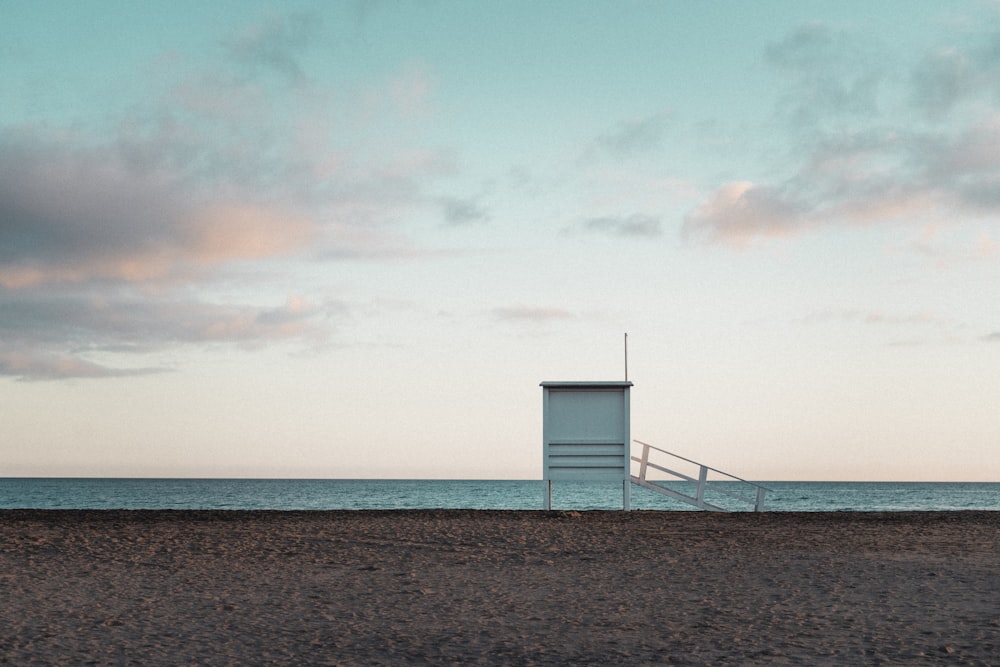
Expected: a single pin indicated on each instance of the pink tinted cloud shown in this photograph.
(72, 215)
(872, 148)
(740, 211)
(212, 237)
(30, 365)
(949, 247)
(105, 238)
(223, 232)
(882, 177)
(38, 327)
(99, 320)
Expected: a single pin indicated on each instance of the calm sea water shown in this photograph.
(299, 494)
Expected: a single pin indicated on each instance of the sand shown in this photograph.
(498, 587)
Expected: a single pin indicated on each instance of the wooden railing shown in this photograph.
(702, 483)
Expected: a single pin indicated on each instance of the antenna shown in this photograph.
(626, 356)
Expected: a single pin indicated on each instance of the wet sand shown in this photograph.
(498, 587)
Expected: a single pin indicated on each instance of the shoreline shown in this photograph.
(228, 587)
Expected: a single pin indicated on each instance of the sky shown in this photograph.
(350, 239)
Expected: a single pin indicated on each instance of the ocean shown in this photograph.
(356, 494)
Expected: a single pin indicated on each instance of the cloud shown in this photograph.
(992, 337)
(29, 366)
(231, 231)
(740, 211)
(100, 320)
(954, 249)
(906, 329)
(966, 165)
(275, 44)
(531, 314)
(941, 80)
(81, 215)
(861, 179)
(45, 336)
(830, 72)
(631, 226)
(114, 231)
(952, 76)
(634, 136)
(462, 211)
(868, 149)
(97, 253)
(879, 318)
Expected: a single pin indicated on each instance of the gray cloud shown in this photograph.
(276, 44)
(950, 76)
(46, 336)
(941, 80)
(79, 214)
(635, 136)
(62, 211)
(895, 328)
(99, 320)
(463, 211)
(531, 314)
(631, 226)
(105, 237)
(887, 164)
(831, 72)
(992, 337)
(35, 366)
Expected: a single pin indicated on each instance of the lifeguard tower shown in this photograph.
(586, 434)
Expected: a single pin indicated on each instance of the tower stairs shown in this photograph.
(696, 484)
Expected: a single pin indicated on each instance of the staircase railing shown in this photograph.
(702, 482)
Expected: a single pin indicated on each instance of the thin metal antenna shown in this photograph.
(626, 356)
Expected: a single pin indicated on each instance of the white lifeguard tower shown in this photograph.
(586, 434)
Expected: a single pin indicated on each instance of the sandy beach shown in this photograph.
(498, 587)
